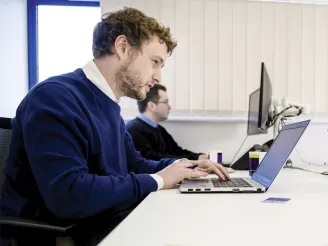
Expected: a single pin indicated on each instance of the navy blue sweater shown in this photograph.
(70, 156)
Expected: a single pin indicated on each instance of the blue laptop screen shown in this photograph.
(279, 152)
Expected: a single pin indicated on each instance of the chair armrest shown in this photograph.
(13, 227)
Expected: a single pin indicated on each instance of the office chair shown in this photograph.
(18, 231)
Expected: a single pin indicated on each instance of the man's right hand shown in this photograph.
(177, 171)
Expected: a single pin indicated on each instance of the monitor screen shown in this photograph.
(265, 100)
(253, 113)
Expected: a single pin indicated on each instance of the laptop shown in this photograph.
(264, 175)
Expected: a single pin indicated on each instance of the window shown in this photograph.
(59, 36)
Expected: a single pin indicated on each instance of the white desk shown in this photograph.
(171, 218)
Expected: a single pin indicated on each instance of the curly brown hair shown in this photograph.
(132, 23)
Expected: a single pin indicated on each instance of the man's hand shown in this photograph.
(209, 166)
(202, 157)
(177, 171)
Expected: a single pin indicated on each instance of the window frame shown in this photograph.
(32, 31)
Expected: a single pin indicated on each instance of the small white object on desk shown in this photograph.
(215, 155)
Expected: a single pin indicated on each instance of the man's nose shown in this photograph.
(157, 76)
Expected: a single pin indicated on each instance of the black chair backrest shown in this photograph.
(5, 136)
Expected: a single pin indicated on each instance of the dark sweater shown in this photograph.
(70, 155)
(156, 143)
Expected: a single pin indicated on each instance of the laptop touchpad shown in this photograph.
(198, 183)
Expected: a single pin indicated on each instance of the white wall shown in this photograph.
(221, 44)
(227, 136)
(13, 55)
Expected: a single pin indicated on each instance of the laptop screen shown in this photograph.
(279, 152)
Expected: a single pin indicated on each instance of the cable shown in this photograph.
(289, 164)
(307, 162)
(298, 153)
(302, 169)
(302, 159)
(283, 111)
(239, 149)
(275, 116)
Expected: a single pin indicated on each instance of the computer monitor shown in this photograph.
(265, 101)
(253, 113)
(258, 116)
(259, 105)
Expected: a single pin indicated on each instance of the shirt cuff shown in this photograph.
(183, 159)
(159, 180)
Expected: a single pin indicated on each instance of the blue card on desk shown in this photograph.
(276, 200)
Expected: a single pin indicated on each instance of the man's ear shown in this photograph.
(151, 106)
(122, 47)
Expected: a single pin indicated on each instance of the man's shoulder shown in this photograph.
(162, 128)
(164, 132)
(131, 124)
(137, 125)
(54, 91)
(71, 81)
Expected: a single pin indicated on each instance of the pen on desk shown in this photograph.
(193, 166)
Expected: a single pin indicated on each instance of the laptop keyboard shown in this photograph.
(234, 182)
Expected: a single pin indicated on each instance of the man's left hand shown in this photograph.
(209, 166)
(202, 157)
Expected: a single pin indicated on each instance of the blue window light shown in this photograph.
(33, 27)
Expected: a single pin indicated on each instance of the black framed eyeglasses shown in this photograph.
(165, 102)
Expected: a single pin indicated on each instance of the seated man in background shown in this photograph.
(150, 138)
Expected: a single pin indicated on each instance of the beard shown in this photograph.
(129, 82)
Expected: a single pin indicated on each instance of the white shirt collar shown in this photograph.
(92, 72)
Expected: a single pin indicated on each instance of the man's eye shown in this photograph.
(155, 61)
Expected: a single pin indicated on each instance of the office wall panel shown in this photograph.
(221, 44)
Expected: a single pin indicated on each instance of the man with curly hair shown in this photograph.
(70, 157)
